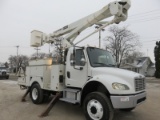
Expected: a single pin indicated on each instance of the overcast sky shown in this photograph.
(19, 17)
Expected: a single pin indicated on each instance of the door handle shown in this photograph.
(68, 74)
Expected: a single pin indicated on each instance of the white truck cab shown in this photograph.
(95, 68)
(4, 72)
(84, 75)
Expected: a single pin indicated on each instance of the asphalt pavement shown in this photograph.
(11, 107)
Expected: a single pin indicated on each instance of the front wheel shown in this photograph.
(36, 94)
(98, 107)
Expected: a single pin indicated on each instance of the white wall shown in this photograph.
(150, 72)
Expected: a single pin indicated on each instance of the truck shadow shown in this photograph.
(119, 115)
(66, 111)
(3, 79)
(75, 111)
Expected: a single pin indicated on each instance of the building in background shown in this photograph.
(142, 65)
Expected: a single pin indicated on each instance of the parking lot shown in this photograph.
(11, 107)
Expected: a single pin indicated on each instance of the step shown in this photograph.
(71, 90)
(69, 100)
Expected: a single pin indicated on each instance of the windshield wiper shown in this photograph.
(101, 64)
(108, 65)
(111, 65)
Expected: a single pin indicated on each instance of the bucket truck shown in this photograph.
(84, 75)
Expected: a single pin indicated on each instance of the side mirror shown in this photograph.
(83, 61)
(72, 62)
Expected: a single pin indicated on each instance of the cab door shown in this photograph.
(76, 68)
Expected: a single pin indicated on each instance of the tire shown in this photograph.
(97, 107)
(7, 77)
(36, 94)
(127, 109)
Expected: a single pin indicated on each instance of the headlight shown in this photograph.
(119, 86)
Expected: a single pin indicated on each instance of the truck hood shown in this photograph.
(116, 72)
(3, 70)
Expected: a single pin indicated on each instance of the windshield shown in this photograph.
(100, 58)
(2, 68)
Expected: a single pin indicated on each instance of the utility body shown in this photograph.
(85, 75)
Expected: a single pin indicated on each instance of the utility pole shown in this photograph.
(49, 48)
(17, 49)
(37, 50)
(97, 27)
(17, 58)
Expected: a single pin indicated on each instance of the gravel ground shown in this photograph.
(11, 108)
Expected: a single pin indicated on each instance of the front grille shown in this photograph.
(140, 84)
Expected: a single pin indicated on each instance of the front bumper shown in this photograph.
(128, 101)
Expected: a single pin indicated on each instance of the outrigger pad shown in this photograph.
(51, 104)
(24, 96)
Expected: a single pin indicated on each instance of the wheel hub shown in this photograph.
(34, 93)
(95, 109)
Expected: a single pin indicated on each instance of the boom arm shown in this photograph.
(117, 9)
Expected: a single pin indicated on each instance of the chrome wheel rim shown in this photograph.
(95, 109)
(34, 94)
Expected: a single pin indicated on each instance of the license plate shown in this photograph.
(125, 99)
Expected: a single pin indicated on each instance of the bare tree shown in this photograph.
(58, 51)
(18, 61)
(121, 43)
(131, 57)
(41, 55)
(6, 64)
(136, 54)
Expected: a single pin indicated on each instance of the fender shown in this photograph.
(107, 81)
(39, 80)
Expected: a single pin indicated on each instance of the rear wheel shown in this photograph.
(36, 94)
(98, 107)
(7, 77)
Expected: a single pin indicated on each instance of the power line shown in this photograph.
(14, 47)
(154, 37)
(157, 17)
(152, 40)
(134, 22)
(6, 46)
(145, 12)
(144, 15)
(144, 18)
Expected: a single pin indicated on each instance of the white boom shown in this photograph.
(118, 9)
